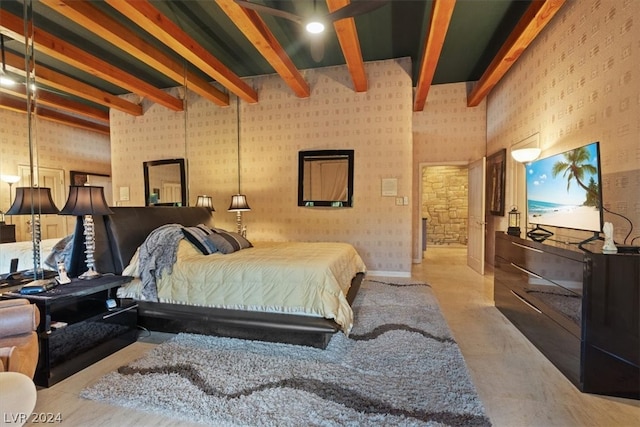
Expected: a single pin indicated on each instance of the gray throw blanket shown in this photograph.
(157, 255)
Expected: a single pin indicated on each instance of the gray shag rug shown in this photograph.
(400, 366)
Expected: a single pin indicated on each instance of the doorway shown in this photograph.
(452, 209)
(51, 226)
(444, 205)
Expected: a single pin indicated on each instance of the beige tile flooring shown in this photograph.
(517, 385)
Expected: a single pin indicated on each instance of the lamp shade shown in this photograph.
(10, 179)
(86, 200)
(205, 202)
(239, 203)
(36, 199)
(525, 155)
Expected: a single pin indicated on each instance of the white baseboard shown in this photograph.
(389, 273)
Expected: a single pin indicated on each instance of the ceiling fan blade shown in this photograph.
(356, 8)
(270, 10)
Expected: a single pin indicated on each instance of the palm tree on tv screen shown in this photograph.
(576, 167)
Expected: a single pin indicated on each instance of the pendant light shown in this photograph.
(239, 202)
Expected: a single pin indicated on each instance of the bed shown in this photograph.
(252, 293)
(23, 252)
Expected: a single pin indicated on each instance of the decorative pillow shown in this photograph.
(61, 251)
(228, 242)
(198, 236)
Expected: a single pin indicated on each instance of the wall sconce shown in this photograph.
(526, 150)
(514, 222)
(239, 201)
(85, 201)
(205, 202)
(34, 201)
(525, 155)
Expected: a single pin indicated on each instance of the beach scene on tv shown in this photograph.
(564, 190)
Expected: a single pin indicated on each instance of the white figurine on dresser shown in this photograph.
(609, 246)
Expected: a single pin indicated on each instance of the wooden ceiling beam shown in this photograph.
(52, 100)
(535, 18)
(350, 45)
(64, 119)
(12, 104)
(441, 13)
(145, 15)
(257, 32)
(88, 16)
(58, 81)
(71, 55)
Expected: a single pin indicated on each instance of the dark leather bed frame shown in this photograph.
(119, 235)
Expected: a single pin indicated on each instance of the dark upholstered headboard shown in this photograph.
(119, 235)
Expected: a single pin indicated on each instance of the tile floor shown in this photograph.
(517, 384)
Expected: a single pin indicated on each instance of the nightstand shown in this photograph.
(80, 323)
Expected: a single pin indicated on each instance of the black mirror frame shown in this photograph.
(183, 178)
(325, 203)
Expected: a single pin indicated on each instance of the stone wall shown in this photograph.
(445, 204)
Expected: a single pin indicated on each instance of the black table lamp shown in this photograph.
(85, 201)
(34, 201)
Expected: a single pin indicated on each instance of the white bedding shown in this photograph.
(24, 252)
(284, 277)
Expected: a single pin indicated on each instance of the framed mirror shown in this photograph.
(165, 183)
(325, 178)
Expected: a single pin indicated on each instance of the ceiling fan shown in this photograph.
(315, 24)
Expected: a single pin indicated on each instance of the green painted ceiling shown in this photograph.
(398, 29)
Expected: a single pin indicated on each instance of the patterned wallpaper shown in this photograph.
(376, 124)
(579, 82)
(446, 132)
(57, 146)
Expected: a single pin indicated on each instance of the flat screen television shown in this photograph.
(565, 190)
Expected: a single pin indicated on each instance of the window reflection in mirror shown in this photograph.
(165, 183)
(325, 178)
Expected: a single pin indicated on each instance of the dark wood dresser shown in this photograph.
(580, 309)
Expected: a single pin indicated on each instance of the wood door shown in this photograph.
(477, 224)
(51, 226)
(171, 192)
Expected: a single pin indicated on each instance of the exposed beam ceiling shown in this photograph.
(534, 20)
(440, 19)
(74, 87)
(85, 14)
(13, 104)
(89, 54)
(350, 45)
(144, 14)
(82, 60)
(255, 29)
(52, 100)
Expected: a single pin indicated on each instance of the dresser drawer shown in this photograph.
(561, 270)
(559, 345)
